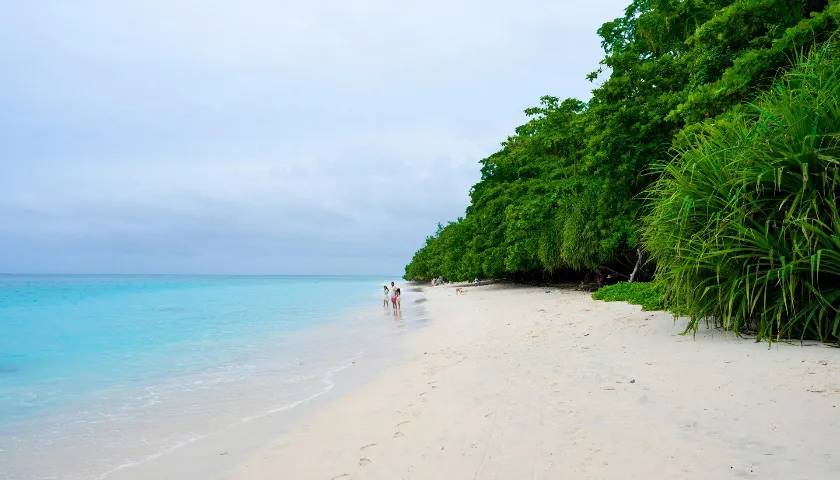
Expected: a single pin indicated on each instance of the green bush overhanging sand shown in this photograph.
(744, 223)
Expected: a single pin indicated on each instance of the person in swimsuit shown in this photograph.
(399, 294)
(387, 298)
(394, 295)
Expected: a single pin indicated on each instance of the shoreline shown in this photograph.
(327, 379)
(512, 382)
(217, 453)
(218, 413)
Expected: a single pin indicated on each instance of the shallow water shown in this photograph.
(100, 373)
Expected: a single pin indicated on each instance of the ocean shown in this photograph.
(103, 373)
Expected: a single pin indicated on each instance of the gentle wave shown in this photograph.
(329, 385)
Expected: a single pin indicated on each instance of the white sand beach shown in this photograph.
(512, 382)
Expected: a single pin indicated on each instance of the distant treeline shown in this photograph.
(708, 157)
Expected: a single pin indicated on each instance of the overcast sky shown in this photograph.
(251, 136)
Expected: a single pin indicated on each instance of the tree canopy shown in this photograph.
(566, 191)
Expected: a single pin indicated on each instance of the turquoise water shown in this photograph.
(88, 358)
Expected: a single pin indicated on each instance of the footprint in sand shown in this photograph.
(364, 461)
(398, 433)
(364, 447)
(343, 475)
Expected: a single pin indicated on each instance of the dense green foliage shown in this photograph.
(564, 192)
(714, 126)
(745, 223)
(650, 295)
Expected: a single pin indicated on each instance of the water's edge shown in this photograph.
(221, 395)
(219, 453)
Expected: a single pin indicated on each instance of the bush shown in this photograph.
(744, 222)
(649, 295)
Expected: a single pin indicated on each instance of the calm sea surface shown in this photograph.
(128, 368)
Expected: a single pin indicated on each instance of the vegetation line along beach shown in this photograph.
(707, 160)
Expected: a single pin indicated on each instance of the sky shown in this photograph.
(263, 137)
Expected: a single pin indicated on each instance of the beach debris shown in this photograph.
(547, 291)
(633, 380)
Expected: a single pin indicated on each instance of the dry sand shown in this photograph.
(516, 383)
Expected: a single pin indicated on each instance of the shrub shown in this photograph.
(649, 295)
(744, 222)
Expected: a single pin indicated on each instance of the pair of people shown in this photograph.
(393, 295)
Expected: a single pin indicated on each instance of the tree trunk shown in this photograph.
(638, 265)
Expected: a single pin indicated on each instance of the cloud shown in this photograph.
(264, 137)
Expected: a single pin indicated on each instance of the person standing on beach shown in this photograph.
(387, 296)
(394, 295)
